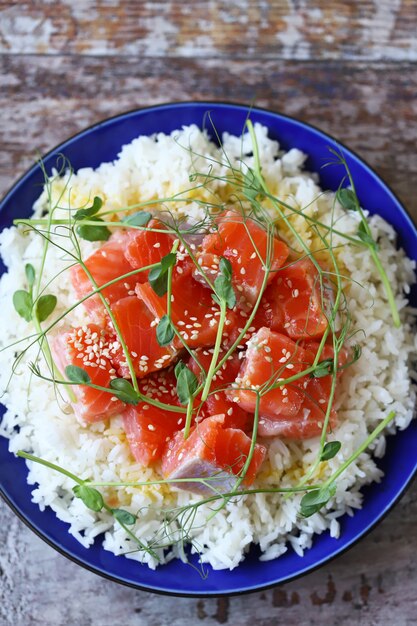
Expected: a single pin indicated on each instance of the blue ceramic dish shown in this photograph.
(102, 142)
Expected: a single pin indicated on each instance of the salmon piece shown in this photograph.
(105, 264)
(211, 451)
(310, 418)
(149, 428)
(138, 327)
(293, 302)
(218, 402)
(237, 240)
(145, 247)
(193, 311)
(75, 347)
(269, 357)
(304, 426)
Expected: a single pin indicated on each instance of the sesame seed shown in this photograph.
(157, 245)
(151, 427)
(242, 270)
(253, 255)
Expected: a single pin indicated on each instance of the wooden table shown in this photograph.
(350, 68)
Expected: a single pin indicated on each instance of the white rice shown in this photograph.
(158, 167)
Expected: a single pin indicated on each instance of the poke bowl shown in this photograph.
(324, 185)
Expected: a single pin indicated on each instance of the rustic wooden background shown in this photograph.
(347, 66)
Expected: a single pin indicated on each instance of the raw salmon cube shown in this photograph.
(149, 428)
(271, 357)
(309, 420)
(89, 347)
(218, 402)
(193, 311)
(244, 242)
(138, 327)
(295, 303)
(146, 247)
(212, 452)
(105, 264)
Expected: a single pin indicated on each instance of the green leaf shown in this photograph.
(330, 450)
(225, 291)
(124, 517)
(187, 382)
(347, 199)
(366, 237)
(91, 497)
(250, 185)
(30, 274)
(357, 352)
(315, 499)
(225, 267)
(77, 375)
(44, 307)
(141, 218)
(90, 211)
(223, 283)
(124, 390)
(22, 302)
(158, 276)
(92, 232)
(323, 369)
(164, 331)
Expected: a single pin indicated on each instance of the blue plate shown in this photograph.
(102, 142)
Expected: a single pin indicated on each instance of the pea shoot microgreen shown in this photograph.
(187, 382)
(165, 331)
(330, 450)
(124, 390)
(158, 276)
(94, 229)
(141, 218)
(77, 375)
(223, 284)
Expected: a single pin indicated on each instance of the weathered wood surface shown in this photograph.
(290, 29)
(371, 109)
(348, 67)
